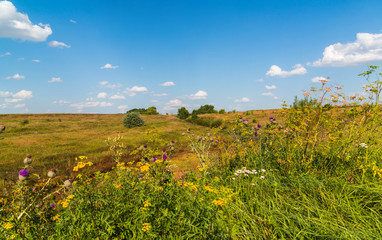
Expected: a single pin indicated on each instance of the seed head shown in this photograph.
(68, 183)
(52, 173)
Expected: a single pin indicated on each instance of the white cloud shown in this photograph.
(366, 48)
(17, 25)
(154, 101)
(117, 97)
(243, 100)
(317, 79)
(72, 21)
(58, 44)
(269, 94)
(168, 84)
(102, 95)
(175, 103)
(275, 70)
(260, 80)
(23, 94)
(6, 54)
(20, 59)
(199, 95)
(36, 60)
(132, 91)
(160, 94)
(61, 102)
(91, 104)
(21, 105)
(54, 80)
(105, 84)
(109, 66)
(16, 77)
(270, 87)
(123, 108)
(17, 97)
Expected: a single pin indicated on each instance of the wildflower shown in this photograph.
(55, 218)
(70, 197)
(68, 182)
(23, 174)
(117, 186)
(146, 227)
(65, 204)
(189, 130)
(2, 128)
(183, 134)
(271, 118)
(233, 179)
(165, 157)
(28, 159)
(172, 141)
(263, 170)
(364, 145)
(145, 146)
(154, 159)
(52, 205)
(219, 202)
(262, 177)
(52, 173)
(328, 89)
(258, 125)
(307, 94)
(256, 133)
(8, 226)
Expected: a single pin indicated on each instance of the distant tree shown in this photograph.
(221, 111)
(205, 109)
(183, 113)
(151, 111)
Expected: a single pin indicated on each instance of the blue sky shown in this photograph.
(111, 56)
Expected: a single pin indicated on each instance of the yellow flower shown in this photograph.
(146, 227)
(89, 163)
(146, 204)
(55, 218)
(117, 186)
(145, 168)
(158, 161)
(75, 169)
(219, 202)
(8, 226)
(65, 204)
(160, 188)
(70, 197)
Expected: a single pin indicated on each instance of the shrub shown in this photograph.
(216, 123)
(151, 111)
(133, 120)
(183, 113)
(221, 111)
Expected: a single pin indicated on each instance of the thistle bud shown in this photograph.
(23, 174)
(68, 183)
(52, 173)
(2, 128)
(28, 160)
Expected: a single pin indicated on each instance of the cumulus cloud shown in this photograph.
(16, 97)
(269, 94)
(117, 96)
(58, 44)
(54, 80)
(109, 66)
(123, 108)
(260, 80)
(21, 105)
(270, 87)
(275, 70)
(172, 105)
(102, 95)
(16, 77)
(168, 84)
(36, 60)
(317, 79)
(91, 104)
(133, 91)
(61, 102)
(199, 95)
(106, 84)
(17, 25)
(243, 100)
(5, 54)
(366, 48)
(72, 21)
(160, 94)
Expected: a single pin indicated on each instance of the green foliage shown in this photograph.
(205, 109)
(206, 122)
(305, 102)
(133, 119)
(24, 122)
(222, 111)
(149, 111)
(183, 113)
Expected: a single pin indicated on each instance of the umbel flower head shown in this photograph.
(52, 173)
(23, 174)
(28, 160)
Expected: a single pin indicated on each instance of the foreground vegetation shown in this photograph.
(314, 175)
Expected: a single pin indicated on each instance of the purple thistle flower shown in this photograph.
(165, 157)
(52, 205)
(155, 158)
(189, 130)
(271, 118)
(216, 141)
(256, 134)
(24, 173)
(212, 140)
(145, 146)
(146, 159)
(2, 128)
(258, 125)
(172, 141)
(139, 146)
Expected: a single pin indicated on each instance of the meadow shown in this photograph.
(311, 171)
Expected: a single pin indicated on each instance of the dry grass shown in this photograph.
(54, 140)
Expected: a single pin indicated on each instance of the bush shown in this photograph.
(148, 111)
(183, 113)
(222, 111)
(133, 120)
